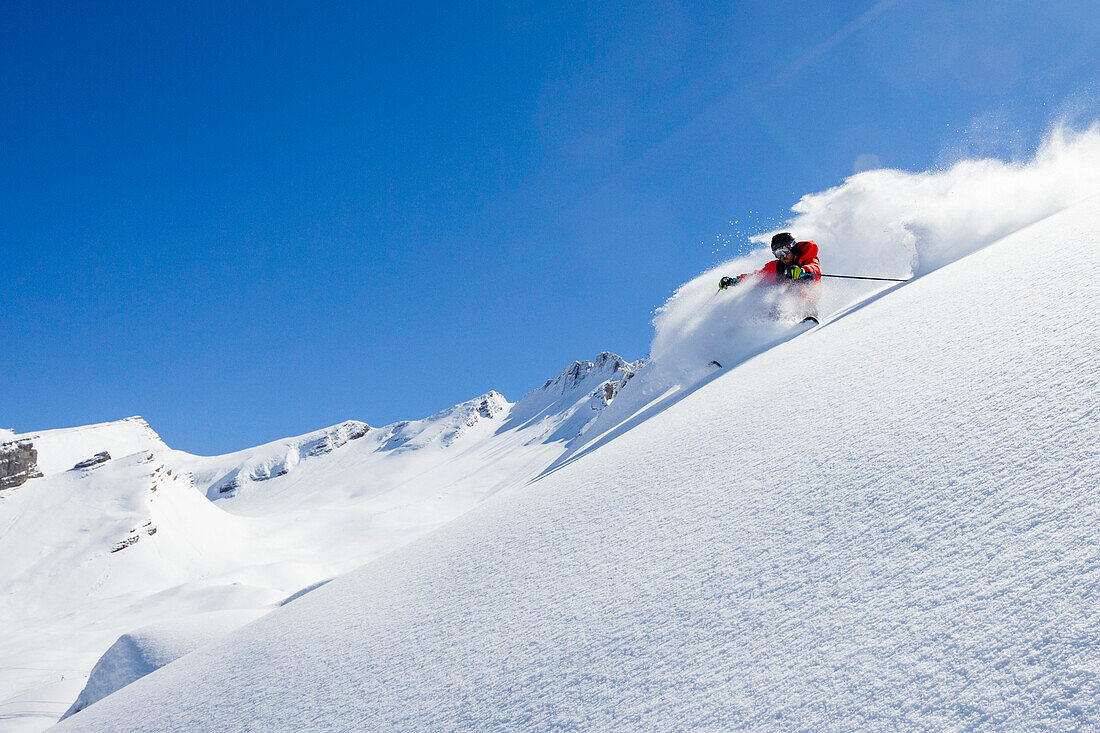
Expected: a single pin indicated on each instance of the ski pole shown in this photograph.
(860, 277)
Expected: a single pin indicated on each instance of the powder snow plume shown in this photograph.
(884, 223)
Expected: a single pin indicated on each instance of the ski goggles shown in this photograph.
(781, 252)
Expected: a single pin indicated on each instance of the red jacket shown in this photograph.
(805, 256)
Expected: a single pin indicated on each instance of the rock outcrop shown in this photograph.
(18, 462)
(280, 458)
(101, 457)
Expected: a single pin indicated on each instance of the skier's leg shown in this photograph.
(808, 295)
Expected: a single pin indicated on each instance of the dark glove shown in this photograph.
(727, 282)
(794, 272)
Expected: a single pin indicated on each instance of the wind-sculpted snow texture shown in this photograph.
(140, 652)
(906, 539)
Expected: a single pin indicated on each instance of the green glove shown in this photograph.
(727, 282)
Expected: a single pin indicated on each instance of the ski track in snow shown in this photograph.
(922, 556)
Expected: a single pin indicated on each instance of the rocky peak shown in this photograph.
(607, 360)
(281, 457)
(446, 426)
(606, 367)
(335, 437)
(492, 404)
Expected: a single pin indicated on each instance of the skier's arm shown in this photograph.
(808, 271)
(808, 262)
(767, 270)
(812, 266)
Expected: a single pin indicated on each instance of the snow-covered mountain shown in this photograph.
(884, 522)
(116, 531)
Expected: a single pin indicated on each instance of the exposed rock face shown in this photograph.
(565, 406)
(101, 457)
(18, 462)
(619, 371)
(135, 534)
(613, 370)
(491, 405)
(126, 542)
(333, 438)
(282, 458)
(443, 428)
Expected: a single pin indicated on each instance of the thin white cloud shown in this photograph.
(824, 47)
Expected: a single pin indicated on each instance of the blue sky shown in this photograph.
(245, 222)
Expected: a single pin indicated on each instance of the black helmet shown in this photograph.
(781, 240)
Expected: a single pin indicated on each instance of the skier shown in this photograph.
(794, 262)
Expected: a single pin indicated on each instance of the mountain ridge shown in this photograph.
(163, 532)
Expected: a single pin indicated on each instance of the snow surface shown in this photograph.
(60, 450)
(138, 653)
(888, 521)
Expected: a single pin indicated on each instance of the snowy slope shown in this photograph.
(154, 535)
(140, 652)
(60, 450)
(889, 521)
(92, 553)
(383, 486)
